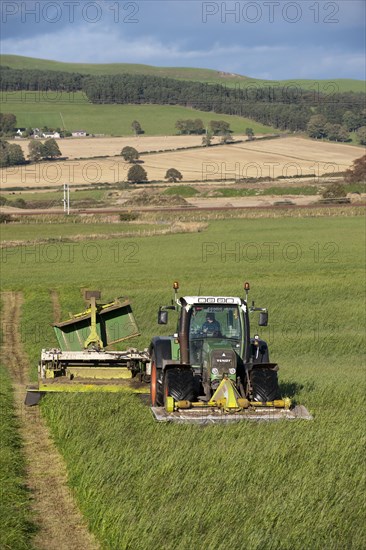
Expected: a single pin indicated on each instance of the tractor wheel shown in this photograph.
(265, 386)
(179, 383)
(156, 390)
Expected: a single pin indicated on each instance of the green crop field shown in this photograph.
(288, 485)
(72, 111)
(210, 76)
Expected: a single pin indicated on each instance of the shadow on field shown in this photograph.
(290, 389)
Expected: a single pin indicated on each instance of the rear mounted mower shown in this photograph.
(82, 364)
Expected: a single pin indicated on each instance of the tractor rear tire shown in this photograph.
(179, 383)
(156, 389)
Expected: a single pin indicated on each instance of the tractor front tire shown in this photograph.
(179, 383)
(156, 390)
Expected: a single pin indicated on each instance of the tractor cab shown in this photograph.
(211, 370)
(216, 327)
(213, 325)
(213, 340)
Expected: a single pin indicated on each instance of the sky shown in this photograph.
(274, 40)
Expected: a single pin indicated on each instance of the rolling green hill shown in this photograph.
(186, 73)
(72, 111)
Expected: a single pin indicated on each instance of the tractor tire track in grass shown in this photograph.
(60, 524)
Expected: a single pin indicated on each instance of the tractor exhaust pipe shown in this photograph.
(183, 335)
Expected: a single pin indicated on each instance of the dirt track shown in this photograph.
(227, 204)
(61, 526)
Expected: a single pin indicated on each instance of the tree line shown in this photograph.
(285, 108)
(38, 80)
(196, 127)
(11, 154)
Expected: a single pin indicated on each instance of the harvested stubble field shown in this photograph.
(288, 156)
(111, 146)
(287, 485)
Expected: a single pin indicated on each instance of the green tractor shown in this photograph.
(211, 369)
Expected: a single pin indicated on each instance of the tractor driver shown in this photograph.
(211, 327)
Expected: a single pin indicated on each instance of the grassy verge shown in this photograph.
(54, 198)
(182, 190)
(58, 232)
(15, 516)
(251, 192)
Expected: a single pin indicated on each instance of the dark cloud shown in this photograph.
(277, 39)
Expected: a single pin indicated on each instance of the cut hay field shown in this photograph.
(292, 486)
(288, 156)
(72, 111)
(75, 148)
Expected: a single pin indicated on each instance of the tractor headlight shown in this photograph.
(232, 371)
(215, 371)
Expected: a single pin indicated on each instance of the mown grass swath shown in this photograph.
(15, 516)
(288, 485)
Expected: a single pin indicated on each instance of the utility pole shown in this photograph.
(66, 199)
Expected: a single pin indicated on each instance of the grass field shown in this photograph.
(72, 111)
(15, 516)
(61, 231)
(187, 73)
(53, 197)
(286, 157)
(288, 485)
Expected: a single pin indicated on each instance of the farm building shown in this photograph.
(79, 133)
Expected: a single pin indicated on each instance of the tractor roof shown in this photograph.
(198, 300)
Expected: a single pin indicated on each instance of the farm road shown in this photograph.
(61, 525)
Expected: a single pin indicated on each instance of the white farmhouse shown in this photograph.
(79, 133)
(54, 135)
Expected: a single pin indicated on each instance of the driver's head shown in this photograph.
(210, 317)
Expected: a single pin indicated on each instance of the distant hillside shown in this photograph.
(321, 110)
(200, 75)
(74, 112)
